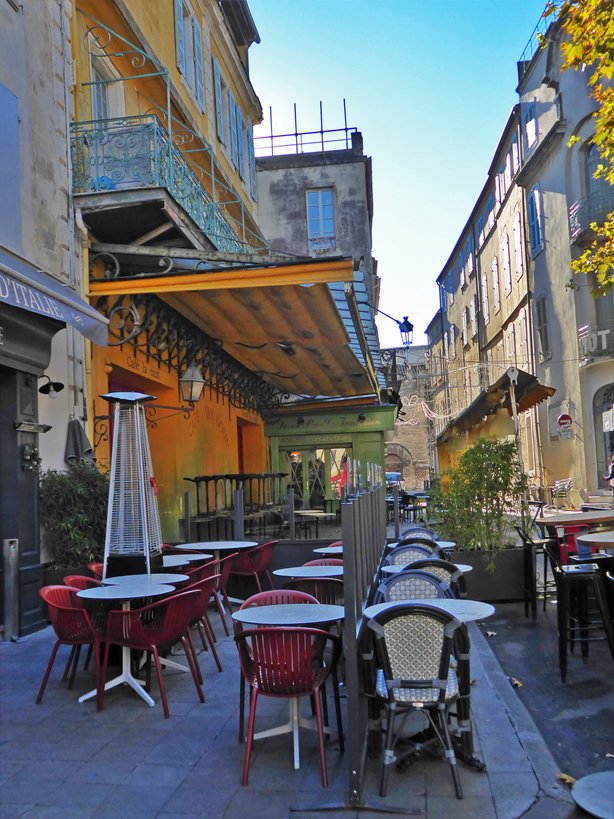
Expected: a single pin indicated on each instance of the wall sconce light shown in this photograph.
(191, 384)
(300, 421)
(362, 418)
(51, 388)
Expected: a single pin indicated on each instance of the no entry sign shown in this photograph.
(564, 421)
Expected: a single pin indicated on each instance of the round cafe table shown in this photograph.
(310, 571)
(289, 614)
(124, 593)
(603, 540)
(329, 550)
(463, 610)
(595, 794)
(144, 581)
(217, 546)
(172, 561)
(596, 517)
(398, 567)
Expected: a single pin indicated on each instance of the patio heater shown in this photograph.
(133, 539)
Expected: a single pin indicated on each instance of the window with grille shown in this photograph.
(541, 327)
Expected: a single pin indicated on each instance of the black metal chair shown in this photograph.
(413, 650)
(533, 548)
(402, 555)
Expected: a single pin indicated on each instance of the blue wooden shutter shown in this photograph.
(252, 162)
(234, 142)
(219, 108)
(198, 58)
(239, 118)
(179, 35)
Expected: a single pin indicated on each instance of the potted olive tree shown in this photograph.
(477, 502)
(73, 513)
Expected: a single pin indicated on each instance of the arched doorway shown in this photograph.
(603, 419)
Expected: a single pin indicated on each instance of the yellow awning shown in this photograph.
(280, 321)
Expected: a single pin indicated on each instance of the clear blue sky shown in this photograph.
(430, 84)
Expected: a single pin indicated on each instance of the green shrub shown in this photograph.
(478, 500)
(73, 511)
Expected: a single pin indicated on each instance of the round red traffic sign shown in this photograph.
(564, 421)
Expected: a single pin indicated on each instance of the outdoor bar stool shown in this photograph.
(573, 584)
(536, 585)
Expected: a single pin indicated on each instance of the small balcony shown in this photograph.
(135, 153)
(584, 212)
(596, 341)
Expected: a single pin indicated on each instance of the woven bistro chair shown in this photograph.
(402, 555)
(412, 584)
(413, 650)
(444, 570)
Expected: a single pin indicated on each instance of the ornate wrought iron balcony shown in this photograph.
(593, 208)
(135, 152)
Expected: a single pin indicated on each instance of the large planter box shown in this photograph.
(504, 583)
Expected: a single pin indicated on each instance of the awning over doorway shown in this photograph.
(23, 286)
(529, 392)
(278, 320)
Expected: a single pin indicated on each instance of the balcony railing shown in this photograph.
(593, 208)
(595, 340)
(135, 153)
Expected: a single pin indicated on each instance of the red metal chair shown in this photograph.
(566, 538)
(274, 597)
(152, 627)
(335, 543)
(200, 620)
(73, 627)
(81, 581)
(254, 562)
(96, 569)
(287, 663)
(224, 566)
(328, 590)
(324, 561)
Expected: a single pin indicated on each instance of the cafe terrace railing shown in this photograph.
(234, 499)
(363, 527)
(134, 152)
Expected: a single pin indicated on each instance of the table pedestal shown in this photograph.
(295, 722)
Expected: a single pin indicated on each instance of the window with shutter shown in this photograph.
(518, 254)
(541, 326)
(179, 36)
(496, 295)
(219, 103)
(507, 264)
(473, 313)
(461, 268)
(253, 185)
(530, 127)
(535, 229)
(452, 342)
(240, 142)
(320, 219)
(485, 305)
(464, 322)
(234, 139)
(198, 64)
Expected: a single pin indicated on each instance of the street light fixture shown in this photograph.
(406, 328)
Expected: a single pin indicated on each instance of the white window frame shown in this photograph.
(114, 92)
(461, 268)
(473, 315)
(530, 127)
(323, 238)
(452, 342)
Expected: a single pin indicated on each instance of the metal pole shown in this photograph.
(187, 517)
(10, 550)
(239, 504)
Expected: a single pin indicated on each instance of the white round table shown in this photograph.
(595, 794)
(124, 593)
(329, 550)
(310, 571)
(603, 540)
(463, 610)
(398, 567)
(218, 545)
(168, 561)
(289, 614)
(144, 581)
